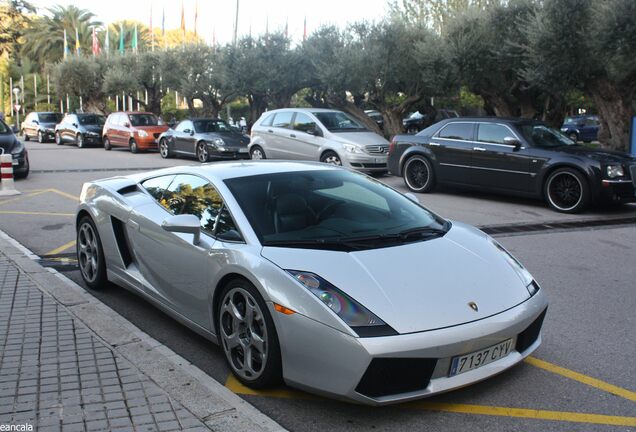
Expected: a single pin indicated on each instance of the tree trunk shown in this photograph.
(392, 122)
(615, 108)
(95, 105)
(258, 105)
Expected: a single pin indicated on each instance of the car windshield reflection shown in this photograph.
(544, 136)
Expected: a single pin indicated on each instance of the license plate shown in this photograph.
(15, 162)
(242, 150)
(473, 360)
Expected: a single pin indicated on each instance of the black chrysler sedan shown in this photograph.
(81, 129)
(9, 144)
(516, 156)
(206, 139)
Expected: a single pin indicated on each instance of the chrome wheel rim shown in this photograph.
(87, 252)
(416, 174)
(243, 333)
(40, 137)
(333, 159)
(257, 154)
(163, 148)
(565, 191)
(58, 139)
(80, 141)
(202, 152)
(133, 147)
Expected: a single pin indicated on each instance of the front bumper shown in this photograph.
(92, 139)
(334, 364)
(147, 143)
(366, 163)
(20, 163)
(228, 153)
(48, 134)
(617, 191)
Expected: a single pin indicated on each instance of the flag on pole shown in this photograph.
(121, 39)
(305, 30)
(134, 40)
(77, 42)
(196, 16)
(183, 27)
(96, 49)
(266, 27)
(163, 26)
(152, 33)
(286, 27)
(214, 37)
(107, 42)
(65, 45)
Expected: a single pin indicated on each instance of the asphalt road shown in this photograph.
(584, 377)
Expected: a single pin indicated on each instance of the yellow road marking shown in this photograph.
(61, 248)
(35, 213)
(64, 194)
(31, 194)
(601, 385)
(235, 385)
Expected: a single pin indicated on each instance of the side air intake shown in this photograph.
(122, 241)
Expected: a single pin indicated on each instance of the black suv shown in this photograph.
(518, 156)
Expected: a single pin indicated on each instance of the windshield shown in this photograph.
(339, 121)
(330, 209)
(4, 129)
(543, 136)
(91, 120)
(206, 126)
(50, 117)
(143, 120)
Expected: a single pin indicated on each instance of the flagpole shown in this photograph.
(152, 33)
(48, 90)
(35, 90)
(236, 24)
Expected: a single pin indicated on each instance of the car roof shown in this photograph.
(312, 110)
(516, 120)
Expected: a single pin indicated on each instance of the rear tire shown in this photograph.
(567, 191)
(90, 254)
(107, 145)
(255, 333)
(134, 148)
(418, 174)
(257, 153)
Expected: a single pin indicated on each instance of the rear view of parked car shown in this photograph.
(138, 131)
(40, 125)
(581, 128)
(323, 135)
(80, 129)
(9, 144)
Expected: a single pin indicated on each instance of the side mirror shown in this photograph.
(514, 142)
(126, 124)
(412, 197)
(36, 122)
(315, 131)
(187, 131)
(75, 125)
(191, 133)
(184, 223)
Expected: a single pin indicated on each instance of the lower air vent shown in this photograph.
(527, 337)
(392, 376)
(122, 242)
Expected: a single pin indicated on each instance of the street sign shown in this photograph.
(16, 107)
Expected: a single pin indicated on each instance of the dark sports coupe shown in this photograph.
(206, 139)
(517, 156)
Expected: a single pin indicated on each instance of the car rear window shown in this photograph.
(458, 131)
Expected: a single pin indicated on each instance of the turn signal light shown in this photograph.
(282, 309)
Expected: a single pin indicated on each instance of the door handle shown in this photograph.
(481, 149)
(270, 131)
(434, 144)
(292, 135)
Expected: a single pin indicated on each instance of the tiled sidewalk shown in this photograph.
(56, 375)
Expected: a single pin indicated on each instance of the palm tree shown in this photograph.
(44, 40)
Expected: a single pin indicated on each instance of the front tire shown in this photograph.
(90, 254)
(331, 158)
(40, 137)
(257, 153)
(202, 152)
(107, 144)
(58, 138)
(573, 136)
(134, 148)
(79, 139)
(247, 336)
(164, 149)
(567, 191)
(24, 134)
(418, 174)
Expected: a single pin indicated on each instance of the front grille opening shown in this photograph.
(122, 241)
(527, 337)
(391, 376)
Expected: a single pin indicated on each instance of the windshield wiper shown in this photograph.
(422, 232)
(329, 244)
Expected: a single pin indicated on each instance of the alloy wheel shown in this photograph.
(565, 191)
(80, 141)
(417, 174)
(40, 137)
(58, 138)
(243, 333)
(332, 159)
(257, 154)
(202, 152)
(88, 252)
(163, 149)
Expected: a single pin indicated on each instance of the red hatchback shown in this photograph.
(135, 130)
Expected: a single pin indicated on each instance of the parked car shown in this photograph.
(80, 129)
(376, 116)
(581, 128)
(417, 121)
(138, 131)
(206, 139)
(315, 275)
(517, 156)
(314, 134)
(9, 144)
(40, 125)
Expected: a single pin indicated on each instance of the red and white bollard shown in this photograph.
(7, 186)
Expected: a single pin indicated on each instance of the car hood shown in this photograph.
(8, 143)
(152, 129)
(231, 139)
(360, 138)
(419, 286)
(603, 156)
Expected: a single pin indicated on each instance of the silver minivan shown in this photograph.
(316, 134)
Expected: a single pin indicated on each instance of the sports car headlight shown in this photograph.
(142, 133)
(615, 171)
(352, 148)
(349, 310)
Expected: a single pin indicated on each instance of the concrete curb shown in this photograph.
(215, 405)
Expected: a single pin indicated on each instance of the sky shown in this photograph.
(217, 16)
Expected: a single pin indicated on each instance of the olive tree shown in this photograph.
(82, 77)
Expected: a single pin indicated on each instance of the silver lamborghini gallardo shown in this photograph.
(314, 275)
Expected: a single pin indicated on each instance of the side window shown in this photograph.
(29, 118)
(157, 185)
(225, 226)
(181, 126)
(268, 120)
(591, 122)
(492, 133)
(283, 119)
(458, 131)
(303, 122)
